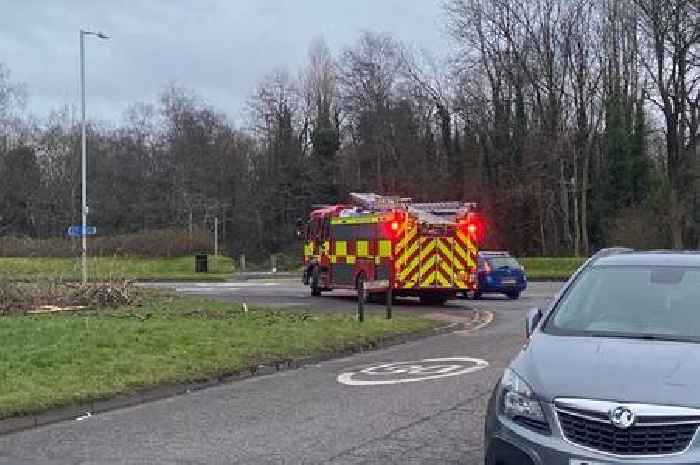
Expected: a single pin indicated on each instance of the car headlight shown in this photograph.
(519, 404)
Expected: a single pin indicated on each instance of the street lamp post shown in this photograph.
(83, 147)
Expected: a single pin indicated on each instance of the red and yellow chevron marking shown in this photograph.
(406, 255)
(467, 249)
(437, 269)
(433, 261)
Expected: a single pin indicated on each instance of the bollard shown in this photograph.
(361, 294)
(389, 299)
(242, 262)
(273, 262)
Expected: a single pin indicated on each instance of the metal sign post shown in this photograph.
(83, 148)
(216, 237)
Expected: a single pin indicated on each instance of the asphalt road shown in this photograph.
(307, 416)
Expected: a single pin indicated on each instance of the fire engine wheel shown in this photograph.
(315, 282)
(433, 299)
(473, 295)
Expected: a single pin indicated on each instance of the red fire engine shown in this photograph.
(428, 250)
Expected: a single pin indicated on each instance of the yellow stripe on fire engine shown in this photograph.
(441, 279)
(341, 248)
(427, 246)
(350, 259)
(426, 266)
(443, 245)
(472, 248)
(446, 272)
(467, 257)
(385, 248)
(408, 253)
(406, 239)
(364, 219)
(408, 268)
(308, 249)
(362, 248)
(428, 281)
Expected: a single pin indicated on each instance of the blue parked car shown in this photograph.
(499, 273)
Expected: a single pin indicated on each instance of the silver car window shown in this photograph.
(632, 300)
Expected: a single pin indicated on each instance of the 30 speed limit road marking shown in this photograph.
(412, 371)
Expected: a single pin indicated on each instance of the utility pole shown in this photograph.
(216, 237)
(83, 149)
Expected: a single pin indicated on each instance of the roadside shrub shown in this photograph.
(21, 297)
(11, 297)
(157, 243)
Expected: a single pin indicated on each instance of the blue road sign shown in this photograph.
(77, 231)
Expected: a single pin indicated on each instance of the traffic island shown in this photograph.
(60, 366)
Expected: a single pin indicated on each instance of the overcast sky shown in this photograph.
(219, 48)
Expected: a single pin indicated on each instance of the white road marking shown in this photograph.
(206, 288)
(410, 372)
(235, 284)
(485, 318)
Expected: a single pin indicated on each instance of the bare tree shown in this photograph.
(368, 75)
(672, 34)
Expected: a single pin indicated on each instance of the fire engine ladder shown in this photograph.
(374, 201)
(437, 213)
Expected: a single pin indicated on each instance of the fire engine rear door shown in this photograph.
(436, 256)
(444, 273)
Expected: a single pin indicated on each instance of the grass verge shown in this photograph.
(182, 268)
(58, 359)
(550, 267)
(114, 268)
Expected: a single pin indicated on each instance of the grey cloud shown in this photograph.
(221, 49)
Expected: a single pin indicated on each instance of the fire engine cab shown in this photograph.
(427, 250)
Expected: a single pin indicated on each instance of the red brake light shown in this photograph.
(474, 226)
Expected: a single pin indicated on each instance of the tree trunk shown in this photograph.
(584, 203)
(577, 226)
(677, 222)
(564, 204)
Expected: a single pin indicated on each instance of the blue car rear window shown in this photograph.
(503, 262)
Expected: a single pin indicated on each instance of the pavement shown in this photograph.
(421, 402)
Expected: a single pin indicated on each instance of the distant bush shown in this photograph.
(158, 243)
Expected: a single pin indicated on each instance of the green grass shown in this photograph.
(55, 360)
(182, 268)
(100, 268)
(550, 267)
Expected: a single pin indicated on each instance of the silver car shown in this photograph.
(610, 372)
